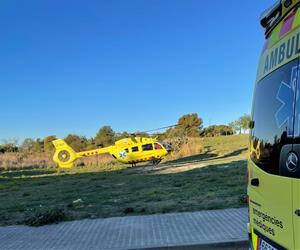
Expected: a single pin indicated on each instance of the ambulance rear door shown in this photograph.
(270, 188)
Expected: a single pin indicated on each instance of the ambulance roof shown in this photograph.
(273, 15)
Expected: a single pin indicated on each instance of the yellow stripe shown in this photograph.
(296, 21)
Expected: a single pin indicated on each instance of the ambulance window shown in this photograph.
(273, 117)
(126, 150)
(147, 147)
(157, 146)
(134, 149)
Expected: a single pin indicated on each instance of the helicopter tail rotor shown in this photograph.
(64, 155)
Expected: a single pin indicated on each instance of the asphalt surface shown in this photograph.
(216, 229)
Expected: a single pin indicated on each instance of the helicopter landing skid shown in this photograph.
(155, 161)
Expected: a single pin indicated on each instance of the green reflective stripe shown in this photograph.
(274, 38)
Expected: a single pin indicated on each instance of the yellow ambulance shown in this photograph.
(274, 161)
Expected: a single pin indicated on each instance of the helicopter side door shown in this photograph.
(147, 151)
(134, 153)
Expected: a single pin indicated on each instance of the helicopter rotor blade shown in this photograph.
(157, 129)
(135, 134)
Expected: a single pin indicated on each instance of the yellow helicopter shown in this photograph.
(130, 150)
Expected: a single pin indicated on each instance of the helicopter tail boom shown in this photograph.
(95, 151)
(65, 155)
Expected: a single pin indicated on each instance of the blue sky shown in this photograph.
(73, 66)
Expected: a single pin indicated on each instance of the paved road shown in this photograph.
(218, 229)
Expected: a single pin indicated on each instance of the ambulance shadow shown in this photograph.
(208, 155)
(193, 158)
(234, 153)
(200, 158)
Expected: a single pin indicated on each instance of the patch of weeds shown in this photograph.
(167, 209)
(4, 217)
(19, 208)
(211, 180)
(42, 183)
(42, 216)
(243, 199)
(8, 185)
(177, 185)
(128, 210)
(76, 204)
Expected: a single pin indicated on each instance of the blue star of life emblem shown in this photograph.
(122, 154)
(287, 93)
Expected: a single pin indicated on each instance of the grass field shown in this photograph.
(211, 180)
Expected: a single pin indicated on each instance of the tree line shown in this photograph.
(189, 125)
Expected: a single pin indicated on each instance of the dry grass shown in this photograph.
(20, 160)
(13, 161)
(185, 147)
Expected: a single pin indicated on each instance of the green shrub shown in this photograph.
(41, 216)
